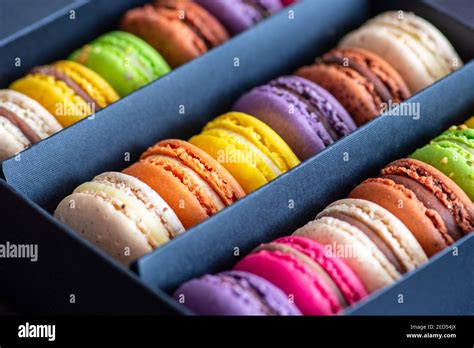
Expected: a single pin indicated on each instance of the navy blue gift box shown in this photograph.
(70, 267)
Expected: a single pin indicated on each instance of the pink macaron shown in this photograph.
(317, 282)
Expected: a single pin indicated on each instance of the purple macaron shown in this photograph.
(234, 293)
(303, 113)
(239, 15)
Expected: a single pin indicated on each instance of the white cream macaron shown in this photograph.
(120, 214)
(414, 47)
(23, 122)
(372, 241)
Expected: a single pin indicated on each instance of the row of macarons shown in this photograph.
(378, 65)
(176, 184)
(388, 225)
(154, 39)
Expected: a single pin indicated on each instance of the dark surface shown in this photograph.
(462, 9)
(66, 265)
(18, 15)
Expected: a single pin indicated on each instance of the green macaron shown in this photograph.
(124, 60)
(452, 153)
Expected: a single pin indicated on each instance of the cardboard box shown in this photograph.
(50, 170)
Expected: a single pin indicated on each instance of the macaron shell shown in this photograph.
(55, 96)
(402, 52)
(12, 139)
(414, 47)
(444, 196)
(452, 160)
(354, 248)
(167, 224)
(250, 150)
(426, 33)
(94, 85)
(239, 15)
(286, 272)
(244, 170)
(183, 202)
(104, 225)
(47, 121)
(23, 122)
(392, 231)
(295, 120)
(234, 293)
(348, 88)
(470, 122)
(125, 61)
(162, 27)
(403, 203)
(341, 274)
(203, 164)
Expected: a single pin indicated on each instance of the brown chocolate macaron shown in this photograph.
(364, 83)
(179, 30)
(429, 203)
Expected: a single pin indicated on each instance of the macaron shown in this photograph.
(371, 240)
(234, 293)
(192, 182)
(453, 154)
(364, 83)
(249, 149)
(470, 122)
(239, 15)
(121, 215)
(68, 90)
(430, 204)
(23, 122)
(304, 114)
(125, 61)
(318, 283)
(412, 45)
(180, 30)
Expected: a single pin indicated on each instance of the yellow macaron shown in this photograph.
(68, 90)
(249, 149)
(470, 122)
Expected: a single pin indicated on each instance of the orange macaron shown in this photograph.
(194, 184)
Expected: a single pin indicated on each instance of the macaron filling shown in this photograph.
(259, 7)
(21, 124)
(430, 201)
(190, 23)
(424, 37)
(60, 76)
(455, 216)
(372, 234)
(126, 202)
(166, 216)
(254, 149)
(203, 185)
(313, 104)
(380, 88)
(187, 177)
(15, 133)
(189, 159)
